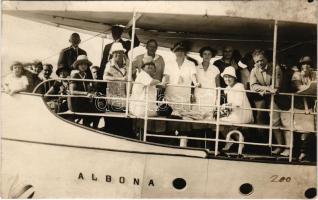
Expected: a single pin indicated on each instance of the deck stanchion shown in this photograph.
(146, 115)
(291, 128)
(273, 84)
(217, 121)
(102, 52)
(130, 61)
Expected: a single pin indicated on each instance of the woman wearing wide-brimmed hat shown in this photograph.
(116, 70)
(80, 88)
(303, 121)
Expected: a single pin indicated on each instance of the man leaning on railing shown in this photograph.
(261, 82)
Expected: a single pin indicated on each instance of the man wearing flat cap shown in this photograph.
(70, 54)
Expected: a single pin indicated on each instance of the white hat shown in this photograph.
(147, 59)
(81, 59)
(117, 46)
(229, 71)
(241, 65)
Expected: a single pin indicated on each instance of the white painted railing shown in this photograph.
(217, 121)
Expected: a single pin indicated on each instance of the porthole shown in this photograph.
(246, 189)
(179, 183)
(311, 193)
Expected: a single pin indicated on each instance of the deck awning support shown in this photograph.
(273, 83)
(133, 21)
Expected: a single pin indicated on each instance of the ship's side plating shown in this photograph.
(44, 156)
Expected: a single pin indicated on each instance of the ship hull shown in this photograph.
(44, 156)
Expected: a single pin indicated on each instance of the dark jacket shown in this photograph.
(126, 45)
(79, 104)
(33, 80)
(68, 56)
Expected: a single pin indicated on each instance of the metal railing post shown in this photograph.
(217, 121)
(273, 84)
(146, 115)
(102, 51)
(291, 128)
(130, 62)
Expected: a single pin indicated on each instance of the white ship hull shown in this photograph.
(44, 156)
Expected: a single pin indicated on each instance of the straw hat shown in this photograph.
(81, 59)
(147, 59)
(117, 46)
(229, 71)
(305, 59)
(16, 63)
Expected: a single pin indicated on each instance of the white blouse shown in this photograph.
(236, 96)
(179, 76)
(16, 83)
(207, 79)
(137, 108)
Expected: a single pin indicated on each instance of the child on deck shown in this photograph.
(143, 80)
(59, 87)
(16, 81)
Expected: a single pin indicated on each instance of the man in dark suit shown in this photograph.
(116, 33)
(70, 54)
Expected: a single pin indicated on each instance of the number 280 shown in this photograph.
(277, 178)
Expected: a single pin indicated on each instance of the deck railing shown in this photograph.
(218, 122)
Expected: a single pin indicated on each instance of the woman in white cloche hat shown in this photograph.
(237, 102)
(116, 70)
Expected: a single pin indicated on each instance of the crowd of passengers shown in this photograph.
(189, 82)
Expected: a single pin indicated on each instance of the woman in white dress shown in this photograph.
(236, 98)
(144, 79)
(16, 81)
(209, 77)
(182, 72)
(237, 101)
